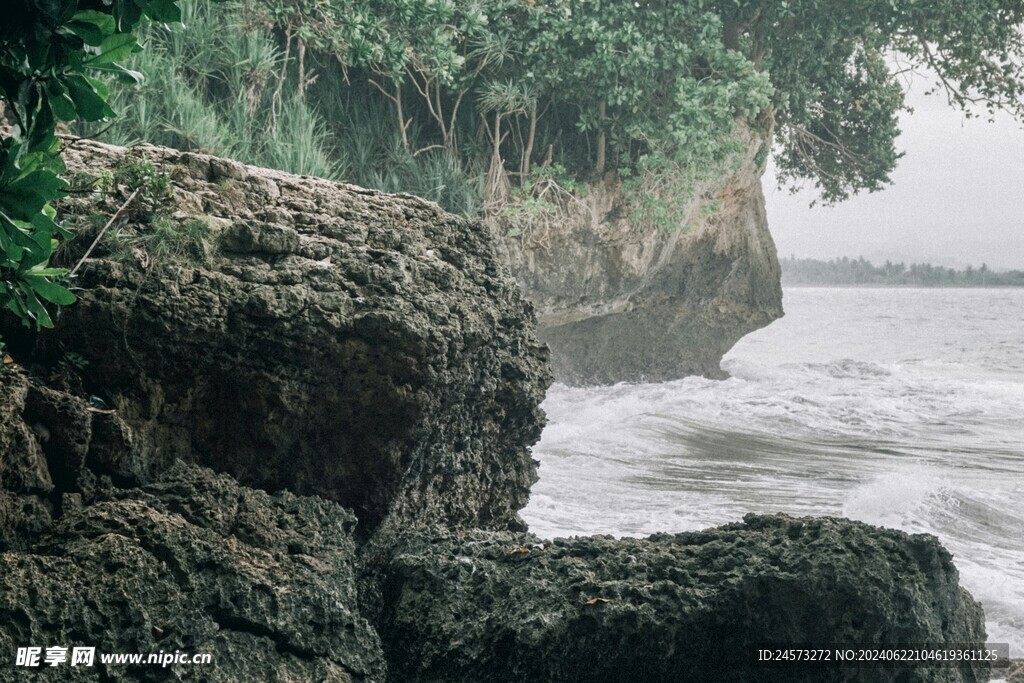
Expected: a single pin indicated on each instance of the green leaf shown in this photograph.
(49, 272)
(24, 198)
(114, 48)
(164, 11)
(92, 26)
(50, 291)
(122, 74)
(127, 12)
(61, 104)
(33, 307)
(91, 105)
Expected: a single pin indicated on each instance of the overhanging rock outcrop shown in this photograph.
(618, 301)
(367, 348)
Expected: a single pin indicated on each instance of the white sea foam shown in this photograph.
(896, 407)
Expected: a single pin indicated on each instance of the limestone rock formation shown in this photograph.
(191, 562)
(335, 341)
(685, 607)
(618, 301)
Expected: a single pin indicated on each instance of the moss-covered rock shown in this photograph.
(686, 607)
(367, 348)
(192, 563)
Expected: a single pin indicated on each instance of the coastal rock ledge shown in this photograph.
(697, 606)
(620, 301)
(299, 442)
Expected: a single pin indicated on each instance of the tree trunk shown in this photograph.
(402, 125)
(284, 69)
(497, 138)
(602, 141)
(731, 35)
(302, 68)
(528, 151)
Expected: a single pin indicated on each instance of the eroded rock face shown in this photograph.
(190, 562)
(194, 563)
(617, 301)
(372, 350)
(367, 348)
(686, 607)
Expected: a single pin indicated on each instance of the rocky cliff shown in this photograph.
(302, 334)
(372, 354)
(620, 301)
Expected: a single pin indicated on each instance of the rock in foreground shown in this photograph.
(686, 607)
(302, 334)
(192, 563)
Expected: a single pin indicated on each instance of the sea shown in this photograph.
(899, 407)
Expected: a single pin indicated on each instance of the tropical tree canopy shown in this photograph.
(663, 82)
(649, 89)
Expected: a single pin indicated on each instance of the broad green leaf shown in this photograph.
(60, 102)
(114, 48)
(50, 291)
(127, 12)
(122, 74)
(34, 307)
(24, 198)
(92, 26)
(90, 104)
(164, 11)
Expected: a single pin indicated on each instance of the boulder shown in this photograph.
(192, 564)
(685, 607)
(305, 335)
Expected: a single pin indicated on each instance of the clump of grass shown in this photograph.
(166, 240)
(211, 89)
(222, 87)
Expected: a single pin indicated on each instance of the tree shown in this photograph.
(488, 93)
(657, 86)
(51, 52)
(837, 69)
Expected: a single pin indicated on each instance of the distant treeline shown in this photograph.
(847, 271)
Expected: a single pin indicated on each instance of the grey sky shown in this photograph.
(957, 198)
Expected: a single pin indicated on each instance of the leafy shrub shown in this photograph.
(51, 53)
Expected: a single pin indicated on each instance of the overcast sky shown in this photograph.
(957, 198)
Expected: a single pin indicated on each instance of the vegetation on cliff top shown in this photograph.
(461, 101)
(486, 104)
(52, 55)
